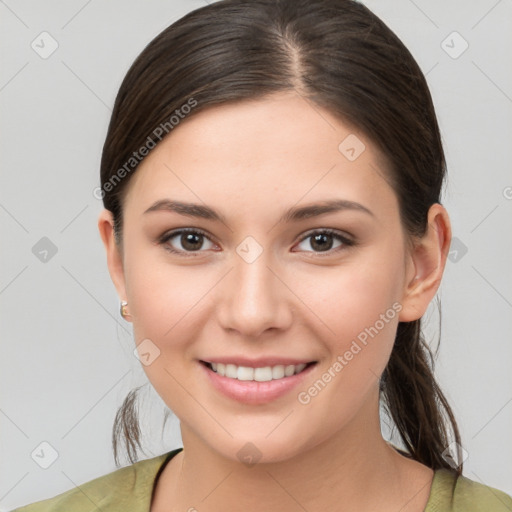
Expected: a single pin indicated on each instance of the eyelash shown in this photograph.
(346, 242)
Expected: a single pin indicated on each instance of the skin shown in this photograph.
(250, 161)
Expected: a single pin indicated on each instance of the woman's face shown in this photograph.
(264, 281)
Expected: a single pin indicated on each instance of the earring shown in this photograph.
(122, 310)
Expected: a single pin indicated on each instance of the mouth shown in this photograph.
(256, 383)
(257, 374)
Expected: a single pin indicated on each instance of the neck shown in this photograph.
(357, 467)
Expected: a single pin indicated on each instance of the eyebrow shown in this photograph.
(293, 214)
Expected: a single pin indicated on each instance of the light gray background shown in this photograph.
(66, 355)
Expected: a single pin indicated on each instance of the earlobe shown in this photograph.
(428, 258)
(113, 250)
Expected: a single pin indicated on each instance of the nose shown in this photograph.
(254, 298)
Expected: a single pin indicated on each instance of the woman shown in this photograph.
(271, 179)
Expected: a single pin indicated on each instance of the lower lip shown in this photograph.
(252, 392)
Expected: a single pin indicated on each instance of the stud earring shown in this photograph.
(122, 309)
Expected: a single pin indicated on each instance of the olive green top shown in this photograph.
(130, 489)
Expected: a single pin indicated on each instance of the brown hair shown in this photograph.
(340, 56)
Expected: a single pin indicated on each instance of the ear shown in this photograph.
(114, 252)
(427, 260)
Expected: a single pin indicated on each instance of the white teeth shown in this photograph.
(289, 370)
(278, 371)
(245, 373)
(231, 371)
(262, 374)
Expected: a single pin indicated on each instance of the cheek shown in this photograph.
(165, 303)
(358, 306)
(161, 295)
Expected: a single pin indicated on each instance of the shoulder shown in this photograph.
(127, 488)
(450, 493)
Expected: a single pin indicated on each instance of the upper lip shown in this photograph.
(259, 362)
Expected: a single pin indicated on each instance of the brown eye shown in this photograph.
(185, 241)
(323, 241)
(191, 241)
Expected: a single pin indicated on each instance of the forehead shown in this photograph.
(256, 154)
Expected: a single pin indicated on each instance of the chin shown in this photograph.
(262, 448)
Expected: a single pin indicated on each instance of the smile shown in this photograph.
(260, 374)
(256, 381)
